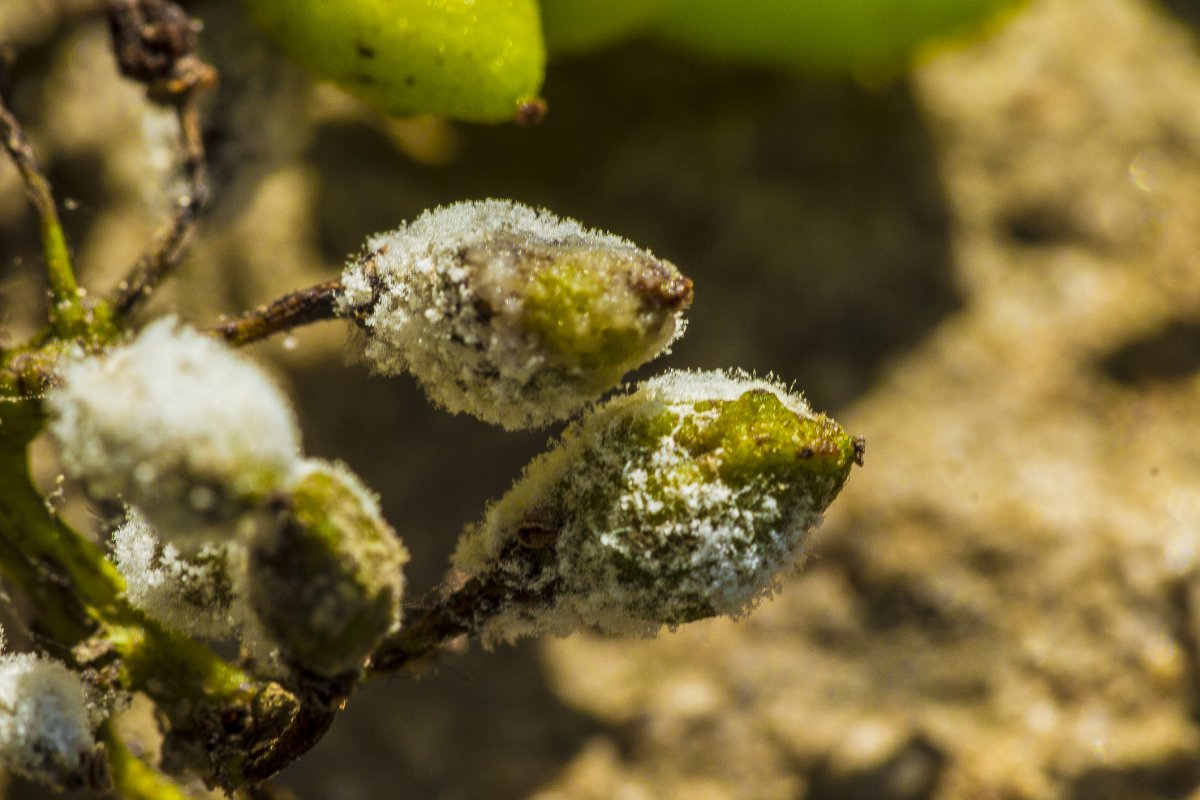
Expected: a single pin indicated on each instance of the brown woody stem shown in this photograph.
(467, 609)
(462, 612)
(302, 307)
(154, 42)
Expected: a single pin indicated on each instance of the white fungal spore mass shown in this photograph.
(196, 593)
(509, 313)
(175, 423)
(45, 727)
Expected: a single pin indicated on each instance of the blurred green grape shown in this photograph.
(820, 35)
(812, 35)
(475, 60)
(579, 25)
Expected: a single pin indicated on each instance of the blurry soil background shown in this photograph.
(990, 269)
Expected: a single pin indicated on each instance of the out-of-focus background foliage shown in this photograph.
(990, 268)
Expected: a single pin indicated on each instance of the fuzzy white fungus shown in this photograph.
(198, 594)
(46, 731)
(684, 499)
(509, 313)
(175, 423)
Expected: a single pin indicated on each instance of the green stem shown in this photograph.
(68, 309)
(31, 529)
(30, 534)
(134, 779)
(58, 261)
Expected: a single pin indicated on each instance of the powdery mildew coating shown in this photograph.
(646, 535)
(45, 727)
(175, 423)
(197, 594)
(508, 313)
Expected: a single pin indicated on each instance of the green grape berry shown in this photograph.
(818, 35)
(325, 582)
(474, 60)
(508, 313)
(684, 500)
(580, 25)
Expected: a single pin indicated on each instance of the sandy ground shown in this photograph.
(991, 270)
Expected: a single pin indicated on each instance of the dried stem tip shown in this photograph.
(511, 314)
(684, 500)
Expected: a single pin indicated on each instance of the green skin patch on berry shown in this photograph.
(570, 305)
(753, 444)
(474, 60)
(757, 438)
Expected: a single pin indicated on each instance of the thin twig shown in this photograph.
(467, 609)
(462, 612)
(154, 42)
(37, 190)
(301, 307)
